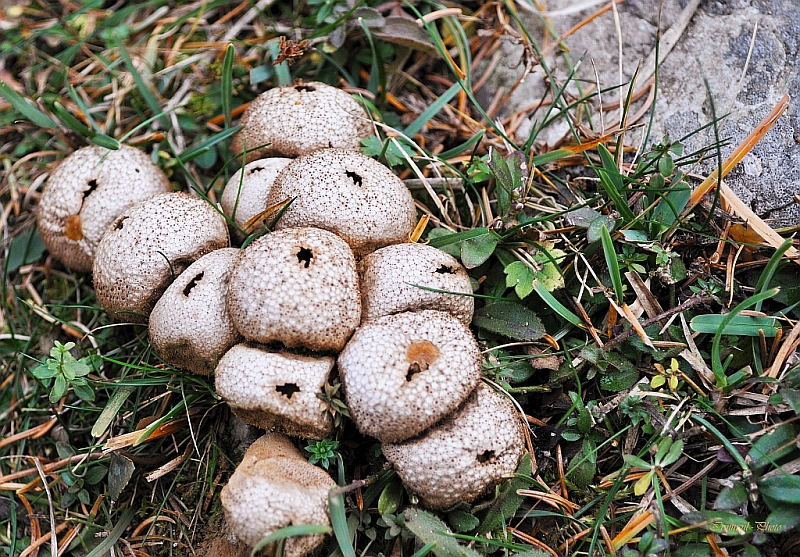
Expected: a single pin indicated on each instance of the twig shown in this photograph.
(691, 302)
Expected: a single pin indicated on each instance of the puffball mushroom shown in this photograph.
(276, 390)
(403, 373)
(190, 326)
(294, 120)
(86, 193)
(275, 487)
(245, 194)
(470, 452)
(390, 279)
(148, 246)
(350, 194)
(296, 286)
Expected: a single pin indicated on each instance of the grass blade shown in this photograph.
(339, 522)
(716, 362)
(612, 262)
(226, 84)
(282, 69)
(414, 127)
(77, 126)
(740, 325)
(769, 270)
(455, 151)
(196, 150)
(425, 549)
(111, 409)
(27, 110)
(555, 305)
(612, 183)
(144, 89)
(104, 547)
(287, 532)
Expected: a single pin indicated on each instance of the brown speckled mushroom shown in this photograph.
(297, 119)
(297, 286)
(245, 194)
(189, 326)
(275, 487)
(390, 279)
(350, 194)
(276, 390)
(465, 456)
(148, 246)
(403, 373)
(86, 193)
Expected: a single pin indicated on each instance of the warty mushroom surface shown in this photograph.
(148, 246)
(85, 194)
(294, 120)
(402, 373)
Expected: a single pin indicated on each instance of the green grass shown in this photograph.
(547, 238)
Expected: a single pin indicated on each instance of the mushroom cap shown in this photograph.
(465, 456)
(276, 390)
(297, 286)
(294, 120)
(86, 193)
(274, 487)
(403, 373)
(189, 326)
(349, 194)
(245, 194)
(390, 277)
(148, 246)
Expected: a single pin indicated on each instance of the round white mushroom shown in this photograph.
(245, 194)
(275, 487)
(190, 327)
(350, 194)
(391, 278)
(276, 390)
(465, 456)
(86, 193)
(293, 120)
(148, 246)
(403, 373)
(297, 286)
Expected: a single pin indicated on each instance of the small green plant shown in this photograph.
(649, 546)
(666, 375)
(708, 288)
(67, 371)
(323, 452)
(668, 453)
(632, 260)
(632, 408)
(394, 524)
(332, 397)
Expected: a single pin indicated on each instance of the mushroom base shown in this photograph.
(271, 422)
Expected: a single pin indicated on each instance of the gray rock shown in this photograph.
(715, 44)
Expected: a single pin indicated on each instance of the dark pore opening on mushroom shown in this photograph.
(306, 88)
(92, 186)
(420, 355)
(192, 283)
(304, 257)
(118, 224)
(288, 389)
(354, 177)
(444, 269)
(485, 456)
(256, 169)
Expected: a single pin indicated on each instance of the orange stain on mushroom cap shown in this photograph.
(73, 228)
(422, 353)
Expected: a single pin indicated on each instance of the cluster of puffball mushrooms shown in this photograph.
(336, 284)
